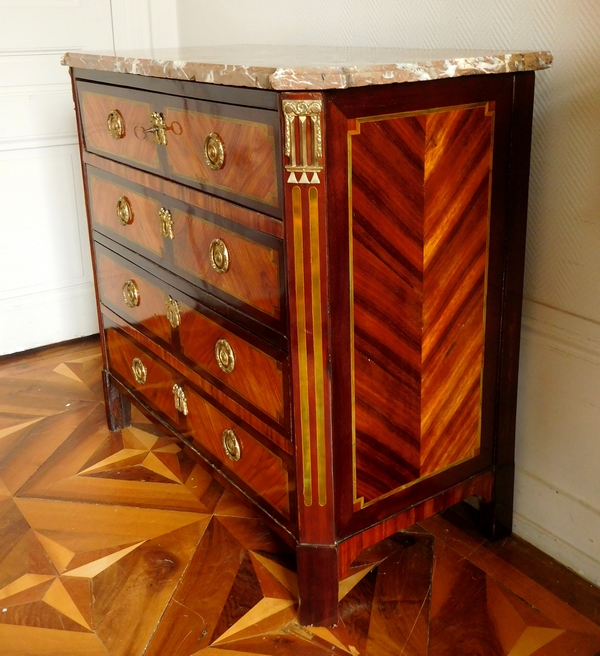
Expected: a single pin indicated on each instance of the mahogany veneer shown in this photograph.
(251, 174)
(258, 377)
(370, 304)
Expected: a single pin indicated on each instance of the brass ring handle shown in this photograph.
(131, 294)
(116, 124)
(166, 223)
(173, 313)
(124, 211)
(180, 399)
(219, 255)
(231, 445)
(214, 151)
(158, 129)
(140, 372)
(225, 356)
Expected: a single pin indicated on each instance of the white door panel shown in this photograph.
(46, 285)
(38, 24)
(38, 113)
(47, 220)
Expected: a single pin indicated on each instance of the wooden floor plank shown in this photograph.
(34, 641)
(121, 544)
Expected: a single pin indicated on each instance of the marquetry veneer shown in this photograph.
(320, 293)
(258, 377)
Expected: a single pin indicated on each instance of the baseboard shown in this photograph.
(564, 527)
(563, 331)
(557, 490)
(47, 317)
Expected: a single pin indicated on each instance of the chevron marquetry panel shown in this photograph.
(419, 257)
(387, 256)
(457, 197)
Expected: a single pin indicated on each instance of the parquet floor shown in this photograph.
(121, 544)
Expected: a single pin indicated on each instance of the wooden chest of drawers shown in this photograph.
(318, 291)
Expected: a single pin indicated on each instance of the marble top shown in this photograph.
(288, 68)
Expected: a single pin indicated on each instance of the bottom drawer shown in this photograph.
(145, 374)
(220, 437)
(238, 452)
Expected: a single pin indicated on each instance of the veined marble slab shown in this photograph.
(293, 68)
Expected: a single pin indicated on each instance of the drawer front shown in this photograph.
(109, 117)
(241, 265)
(234, 264)
(256, 377)
(224, 148)
(143, 373)
(126, 215)
(131, 294)
(240, 455)
(206, 343)
(229, 151)
(238, 452)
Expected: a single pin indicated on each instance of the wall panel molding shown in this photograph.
(28, 90)
(37, 52)
(20, 330)
(557, 487)
(46, 4)
(131, 24)
(145, 24)
(38, 114)
(563, 331)
(46, 290)
(48, 222)
(8, 144)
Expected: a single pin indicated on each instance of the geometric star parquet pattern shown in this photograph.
(122, 544)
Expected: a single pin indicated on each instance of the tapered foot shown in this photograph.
(118, 406)
(317, 585)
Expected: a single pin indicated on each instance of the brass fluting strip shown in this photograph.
(315, 255)
(302, 346)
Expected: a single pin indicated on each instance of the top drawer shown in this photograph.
(229, 151)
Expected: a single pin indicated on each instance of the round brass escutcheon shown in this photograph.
(173, 313)
(231, 445)
(124, 211)
(214, 151)
(139, 371)
(131, 294)
(225, 356)
(116, 124)
(219, 256)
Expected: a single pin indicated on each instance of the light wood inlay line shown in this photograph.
(353, 128)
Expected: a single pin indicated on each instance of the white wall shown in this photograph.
(46, 288)
(145, 23)
(558, 455)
